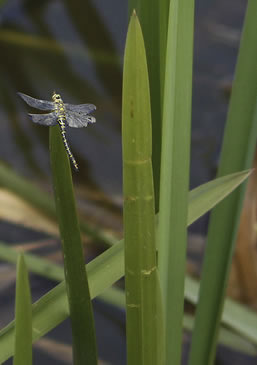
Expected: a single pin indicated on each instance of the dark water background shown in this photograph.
(76, 48)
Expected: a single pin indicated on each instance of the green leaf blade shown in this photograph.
(208, 195)
(139, 213)
(148, 15)
(23, 316)
(81, 313)
(174, 184)
(238, 149)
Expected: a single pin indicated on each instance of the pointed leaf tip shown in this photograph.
(21, 261)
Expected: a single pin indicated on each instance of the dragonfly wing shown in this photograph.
(45, 119)
(37, 103)
(81, 108)
(77, 120)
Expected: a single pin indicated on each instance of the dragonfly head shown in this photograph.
(56, 97)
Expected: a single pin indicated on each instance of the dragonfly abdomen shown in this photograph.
(61, 123)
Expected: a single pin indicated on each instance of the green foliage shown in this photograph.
(237, 154)
(148, 15)
(162, 52)
(107, 268)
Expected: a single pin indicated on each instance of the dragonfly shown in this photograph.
(63, 114)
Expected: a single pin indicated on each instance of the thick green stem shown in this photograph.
(139, 222)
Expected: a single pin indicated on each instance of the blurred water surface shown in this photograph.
(76, 48)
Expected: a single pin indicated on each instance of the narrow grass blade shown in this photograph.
(139, 215)
(81, 314)
(105, 270)
(43, 201)
(206, 196)
(52, 271)
(226, 338)
(52, 309)
(23, 316)
(237, 153)
(172, 230)
(235, 316)
(148, 14)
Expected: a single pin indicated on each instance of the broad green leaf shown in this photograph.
(148, 15)
(138, 213)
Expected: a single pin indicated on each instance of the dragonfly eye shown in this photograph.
(56, 97)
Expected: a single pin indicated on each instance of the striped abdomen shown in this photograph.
(61, 122)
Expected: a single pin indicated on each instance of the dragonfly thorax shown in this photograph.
(59, 106)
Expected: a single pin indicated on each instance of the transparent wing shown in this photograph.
(36, 103)
(77, 120)
(81, 108)
(45, 119)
